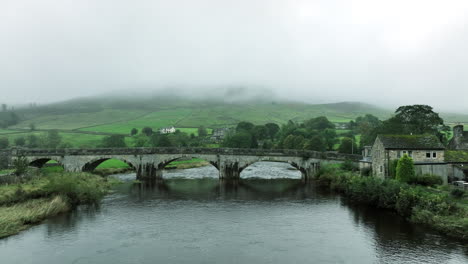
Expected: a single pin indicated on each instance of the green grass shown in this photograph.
(18, 217)
(113, 164)
(46, 195)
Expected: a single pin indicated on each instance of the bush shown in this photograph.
(426, 180)
(366, 171)
(405, 169)
(457, 193)
(79, 188)
(349, 166)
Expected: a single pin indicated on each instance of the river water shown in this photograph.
(270, 217)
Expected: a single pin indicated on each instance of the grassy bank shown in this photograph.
(433, 207)
(25, 204)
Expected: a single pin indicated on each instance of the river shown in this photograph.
(270, 217)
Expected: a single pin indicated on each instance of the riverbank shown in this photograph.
(29, 203)
(434, 207)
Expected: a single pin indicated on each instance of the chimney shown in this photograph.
(458, 131)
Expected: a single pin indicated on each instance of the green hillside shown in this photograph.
(78, 119)
(120, 115)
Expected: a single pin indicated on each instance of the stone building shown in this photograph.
(459, 140)
(219, 134)
(426, 150)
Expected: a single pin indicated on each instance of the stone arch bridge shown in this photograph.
(150, 162)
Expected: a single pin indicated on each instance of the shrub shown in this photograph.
(80, 188)
(457, 193)
(426, 180)
(405, 169)
(366, 171)
(349, 166)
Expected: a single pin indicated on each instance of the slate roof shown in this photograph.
(410, 142)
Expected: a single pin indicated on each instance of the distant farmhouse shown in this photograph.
(219, 134)
(167, 130)
(426, 150)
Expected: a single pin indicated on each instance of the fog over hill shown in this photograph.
(321, 51)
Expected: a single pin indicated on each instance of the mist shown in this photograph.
(385, 53)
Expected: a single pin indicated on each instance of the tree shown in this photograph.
(140, 141)
(242, 139)
(246, 126)
(315, 143)
(419, 119)
(53, 139)
(347, 146)
(32, 141)
(4, 143)
(273, 129)
(164, 141)
(20, 141)
(329, 138)
(293, 142)
(318, 123)
(405, 169)
(202, 132)
(114, 141)
(32, 126)
(148, 131)
(20, 164)
(260, 132)
(133, 132)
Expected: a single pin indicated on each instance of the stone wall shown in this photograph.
(439, 169)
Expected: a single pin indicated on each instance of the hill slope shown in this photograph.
(121, 115)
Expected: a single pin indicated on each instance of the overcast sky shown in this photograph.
(383, 52)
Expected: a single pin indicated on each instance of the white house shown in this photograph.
(167, 130)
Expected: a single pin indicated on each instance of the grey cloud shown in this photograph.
(382, 52)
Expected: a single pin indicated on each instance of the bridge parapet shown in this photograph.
(306, 154)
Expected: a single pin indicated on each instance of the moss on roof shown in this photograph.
(410, 142)
(456, 156)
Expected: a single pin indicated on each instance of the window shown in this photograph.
(410, 153)
(428, 155)
(434, 155)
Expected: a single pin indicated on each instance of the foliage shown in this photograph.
(133, 132)
(148, 131)
(78, 188)
(244, 126)
(347, 146)
(349, 166)
(316, 143)
(426, 180)
(392, 168)
(405, 169)
(457, 193)
(114, 141)
(417, 203)
(32, 141)
(20, 141)
(418, 119)
(20, 165)
(202, 132)
(242, 139)
(4, 143)
(272, 129)
(52, 139)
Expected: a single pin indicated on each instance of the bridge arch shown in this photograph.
(92, 164)
(42, 161)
